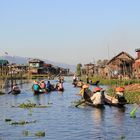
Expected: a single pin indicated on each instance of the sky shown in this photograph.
(69, 31)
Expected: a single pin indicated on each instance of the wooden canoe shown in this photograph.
(112, 101)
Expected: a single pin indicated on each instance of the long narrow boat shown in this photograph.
(96, 106)
(89, 103)
(15, 92)
(112, 101)
(40, 91)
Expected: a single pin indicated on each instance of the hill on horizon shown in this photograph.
(24, 60)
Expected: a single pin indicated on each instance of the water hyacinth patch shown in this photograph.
(40, 134)
(26, 133)
(21, 122)
(29, 105)
(8, 120)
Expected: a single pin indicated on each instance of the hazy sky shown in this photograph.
(70, 31)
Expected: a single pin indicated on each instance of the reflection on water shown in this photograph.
(40, 99)
(97, 115)
(119, 115)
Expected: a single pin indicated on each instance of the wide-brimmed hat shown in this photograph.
(97, 89)
(120, 89)
(85, 86)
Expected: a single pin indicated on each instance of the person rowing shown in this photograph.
(120, 95)
(59, 86)
(95, 98)
(86, 93)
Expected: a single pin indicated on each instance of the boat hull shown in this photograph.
(96, 106)
(112, 101)
(15, 92)
(40, 91)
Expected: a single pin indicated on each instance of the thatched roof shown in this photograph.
(122, 53)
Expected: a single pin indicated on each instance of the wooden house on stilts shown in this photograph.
(120, 66)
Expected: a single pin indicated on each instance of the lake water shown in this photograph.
(63, 121)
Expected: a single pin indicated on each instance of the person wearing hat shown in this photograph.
(97, 98)
(86, 92)
(120, 94)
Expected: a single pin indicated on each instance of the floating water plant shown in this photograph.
(25, 133)
(31, 105)
(22, 122)
(40, 134)
(123, 137)
(8, 120)
(1, 93)
(132, 112)
(27, 105)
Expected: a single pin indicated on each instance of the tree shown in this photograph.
(78, 68)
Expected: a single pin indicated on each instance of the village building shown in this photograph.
(88, 69)
(136, 65)
(120, 66)
(3, 62)
(36, 66)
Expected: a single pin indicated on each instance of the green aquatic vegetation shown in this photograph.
(132, 112)
(131, 97)
(122, 137)
(40, 134)
(107, 81)
(49, 103)
(30, 112)
(8, 120)
(25, 133)
(29, 105)
(22, 122)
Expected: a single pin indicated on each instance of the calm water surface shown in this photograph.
(62, 121)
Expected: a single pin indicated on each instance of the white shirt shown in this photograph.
(97, 98)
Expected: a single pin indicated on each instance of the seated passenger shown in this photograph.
(97, 98)
(42, 84)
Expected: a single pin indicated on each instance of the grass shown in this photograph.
(131, 97)
(111, 81)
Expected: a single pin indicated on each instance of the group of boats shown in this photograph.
(99, 98)
(40, 87)
(88, 98)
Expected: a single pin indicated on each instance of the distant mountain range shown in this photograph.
(24, 60)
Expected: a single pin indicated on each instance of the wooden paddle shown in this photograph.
(10, 91)
(80, 103)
